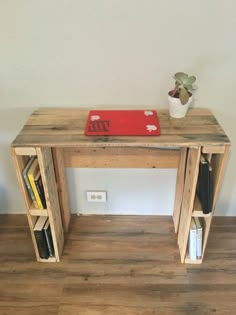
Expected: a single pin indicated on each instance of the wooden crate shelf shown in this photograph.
(46, 165)
(38, 212)
(190, 261)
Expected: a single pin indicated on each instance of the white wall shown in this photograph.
(124, 52)
(129, 191)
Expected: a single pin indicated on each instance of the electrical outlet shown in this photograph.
(96, 196)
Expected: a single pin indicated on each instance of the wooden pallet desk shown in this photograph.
(56, 137)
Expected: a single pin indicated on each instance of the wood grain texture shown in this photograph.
(218, 162)
(60, 172)
(111, 157)
(25, 151)
(213, 149)
(64, 127)
(50, 189)
(179, 188)
(136, 271)
(20, 162)
(188, 198)
(62, 130)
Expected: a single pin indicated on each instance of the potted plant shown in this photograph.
(181, 97)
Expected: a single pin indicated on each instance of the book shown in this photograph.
(40, 237)
(39, 187)
(33, 170)
(205, 185)
(199, 237)
(48, 237)
(27, 182)
(192, 244)
(122, 122)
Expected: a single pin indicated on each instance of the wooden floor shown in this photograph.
(117, 265)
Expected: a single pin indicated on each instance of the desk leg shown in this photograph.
(45, 160)
(218, 163)
(60, 172)
(190, 183)
(179, 187)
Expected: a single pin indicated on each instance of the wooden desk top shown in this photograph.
(64, 127)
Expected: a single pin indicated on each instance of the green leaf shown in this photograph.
(188, 87)
(185, 81)
(183, 95)
(191, 79)
(180, 76)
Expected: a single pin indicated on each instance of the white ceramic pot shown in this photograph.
(176, 108)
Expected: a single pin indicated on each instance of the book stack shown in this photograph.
(33, 182)
(195, 239)
(43, 236)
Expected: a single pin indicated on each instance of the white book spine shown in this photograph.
(199, 244)
(199, 238)
(193, 241)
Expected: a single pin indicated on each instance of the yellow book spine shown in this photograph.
(32, 183)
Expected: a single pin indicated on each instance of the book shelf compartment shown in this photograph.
(43, 239)
(21, 161)
(217, 160)
(32, 212)
(197, 209)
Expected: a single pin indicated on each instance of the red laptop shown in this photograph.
(122, 122)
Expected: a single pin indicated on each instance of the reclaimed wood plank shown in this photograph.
(25, 151)
(218, 162)
(50, 189)
(60, 172)
(19, 163)
(65, 128)
(179, 188)
(188, 199)
(213, 149)
(111, 157)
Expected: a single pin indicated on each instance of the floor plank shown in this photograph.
(117, 265)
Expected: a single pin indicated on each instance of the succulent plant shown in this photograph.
(183, 86)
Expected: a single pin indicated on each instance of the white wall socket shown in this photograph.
(96, 196)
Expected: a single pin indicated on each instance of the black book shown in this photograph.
(48, 237)
(40, 237)
(205, 185)
(40, 190)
